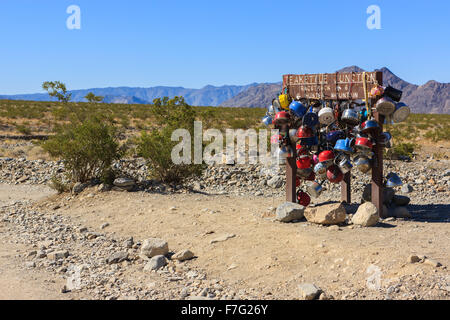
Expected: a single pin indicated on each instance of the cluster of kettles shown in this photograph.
(329, 137)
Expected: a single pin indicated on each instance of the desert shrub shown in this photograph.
(58, 185)
(23, 129)
(156, 146)
(403, 149)
(87, 149)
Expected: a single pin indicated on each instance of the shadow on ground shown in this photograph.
(430, 212)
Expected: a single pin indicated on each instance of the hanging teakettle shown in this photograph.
(401, 112)
(297, 109)
(326, 116)
(385, 106)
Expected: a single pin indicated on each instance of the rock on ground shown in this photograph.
(289, 211)
(183, 255)
(155, 263)
(308, 291)
(366, 215)
(79, 187)
(275, 182)
(56, 255)
(117, 257)
(123, 182)
(154, 246)
(333, 213)
(401, 200)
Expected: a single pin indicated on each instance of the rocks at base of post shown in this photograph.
(366, 215)
(334, 213)
(289, 211)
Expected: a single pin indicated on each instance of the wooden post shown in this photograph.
(377, 169)
(291, 173)
(346, 188)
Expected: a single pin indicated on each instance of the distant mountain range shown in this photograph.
(206, 96)
(431, 97)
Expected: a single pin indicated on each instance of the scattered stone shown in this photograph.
(333, 213)
(432, 262)
(222, 238)
(155, 263)
(289, 211)
(275, 182)
(124, 182)
(153, 247)
(31, 253)
(79, 187)
(30, 264)
(57, 255)
(413, 259)
(401, 200)
(40, 254)
(105, 225)
(128, 243)
(184, 293)
(309, 291)
(406, 188)
(366, 215)
(117, 257)
(183, 255)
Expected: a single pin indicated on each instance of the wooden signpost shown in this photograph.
(337, 86)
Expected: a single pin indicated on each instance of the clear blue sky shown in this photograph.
(195, 43)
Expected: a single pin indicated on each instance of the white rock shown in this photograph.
(333, 213)
(309, 291)
(153, 247)
(155, 263)
(289, 211)
(367, 215)
(183, 255)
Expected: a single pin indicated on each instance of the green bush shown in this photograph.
(23, 129)
(87, 149)
(403, 149)
(156, 146)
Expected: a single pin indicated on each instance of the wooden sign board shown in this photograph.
(330, 86)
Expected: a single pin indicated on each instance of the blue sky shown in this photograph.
(195, 43)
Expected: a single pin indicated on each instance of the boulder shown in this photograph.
(401, 200)
(333, 213)
(79, 187)
(155, 263)
(123, 182)
(183, 255)
(275, 182)
(366, 215)
(117, 257)
(153, 246)
(309, 291)
(413, 259)
(57, 255)
(289, 211)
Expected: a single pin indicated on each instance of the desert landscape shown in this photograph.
(224, 159)
(220, 233)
